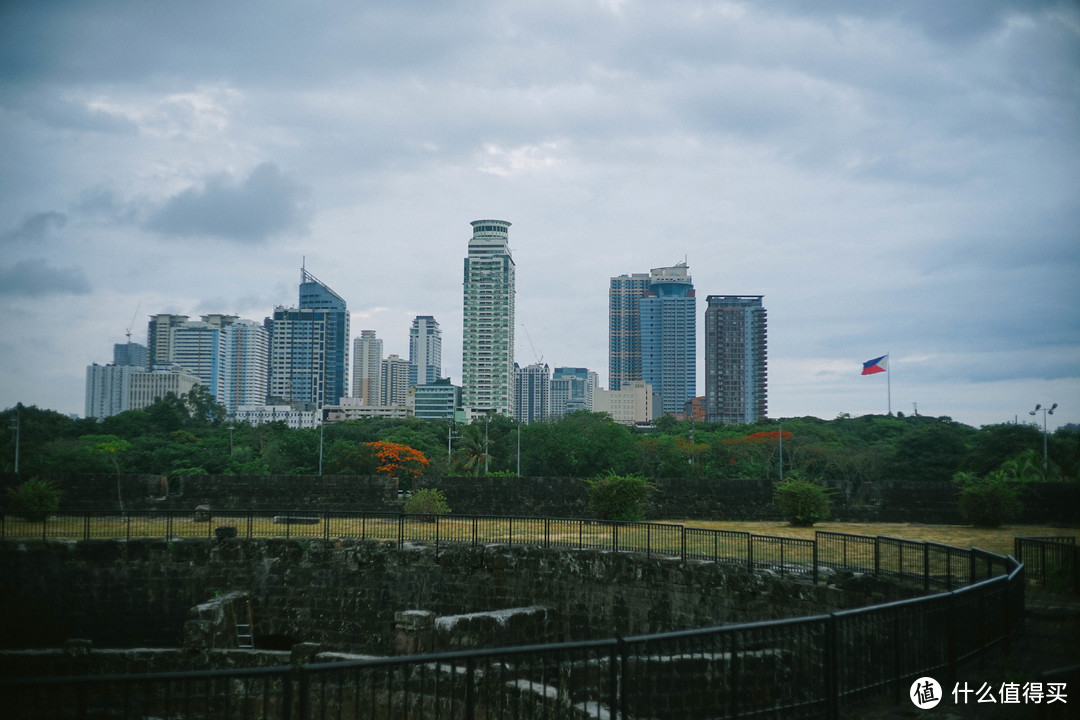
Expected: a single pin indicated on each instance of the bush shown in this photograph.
(428, 502)
(988, 502)
(802, 502)
(622, 498)
(33, 500)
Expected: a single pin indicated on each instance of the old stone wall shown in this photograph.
(344, 594)
(675, 499)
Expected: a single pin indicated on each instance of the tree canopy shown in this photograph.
(190, 434)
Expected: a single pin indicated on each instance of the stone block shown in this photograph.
(202, 513)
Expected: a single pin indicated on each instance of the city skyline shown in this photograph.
(894, 178)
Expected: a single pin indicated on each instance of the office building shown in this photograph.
(309, 347)
(572, 389)
(437, 400)
(635, 403)
(367, 368)
(425, 351)
(736, 360)
(488, 322)
(532, 393)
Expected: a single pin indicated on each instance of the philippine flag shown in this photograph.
(876, 365)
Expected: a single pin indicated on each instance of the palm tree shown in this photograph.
(471, 456)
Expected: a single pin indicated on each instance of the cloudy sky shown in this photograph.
(897, 178)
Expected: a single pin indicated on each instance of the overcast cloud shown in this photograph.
(893, 177)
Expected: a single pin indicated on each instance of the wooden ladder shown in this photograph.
(245, 634)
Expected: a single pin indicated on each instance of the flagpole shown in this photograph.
(888, 373)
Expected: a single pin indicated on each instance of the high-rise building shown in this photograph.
(395, 381)
(199, 348)
(532, 393)
(309, 347)
(247, 364)
(159, 338)
(425, 351)
(367, 368)
(129, 353)
(572, 389)
(624, 328)
(736, 360)
(487, 351)
(107, 389)
(669, 336)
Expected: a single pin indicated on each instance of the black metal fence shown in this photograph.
(1053, 561)
(800, 667)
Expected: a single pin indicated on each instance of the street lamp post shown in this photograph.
(1046, 411)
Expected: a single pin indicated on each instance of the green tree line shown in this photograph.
(192, 435)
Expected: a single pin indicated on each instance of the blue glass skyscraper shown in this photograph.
(309, 347)
(669, 337)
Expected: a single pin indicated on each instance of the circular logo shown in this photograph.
(925, 693)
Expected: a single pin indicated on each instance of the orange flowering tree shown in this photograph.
(380, 457)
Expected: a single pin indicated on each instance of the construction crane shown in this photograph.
(539, 357)
(132, 323)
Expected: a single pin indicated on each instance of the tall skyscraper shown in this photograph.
(425, 351)
(532, 393)
(367, 368)
(736, 362)
(309, 347)
(487, 351)
(652, 334)
(669, 336)
(624, 328)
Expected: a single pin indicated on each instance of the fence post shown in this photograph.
(326, 525)
(614, 536)
(436, 536)
(400, 530)
(86, 524)
(951, 651)
(832, 672)
(926, 567)
(547, 532)
(475, 531)
(613, 677)
(470, 688)
(682, 543)
(815, 560)
(303, 710)
(749, 551)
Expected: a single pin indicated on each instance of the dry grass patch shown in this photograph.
(998, 540)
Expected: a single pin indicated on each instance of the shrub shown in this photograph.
(990, 501)
(33, 500)
(801, 501)
(428, 502)
(621, 498)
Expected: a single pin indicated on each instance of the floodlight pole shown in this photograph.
(1045, 412)
(17, 427)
